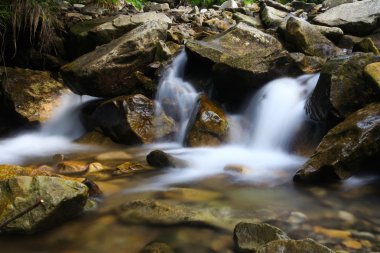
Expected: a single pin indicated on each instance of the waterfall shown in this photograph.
(175, 96)
(277, 110)
(54, 136)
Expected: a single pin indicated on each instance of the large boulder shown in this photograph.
(308, 39)
(243, 56)
(28, 96)
(342, 88)
(350, 147)
(86, 35)
(272, 17)
(250, 237)
(357, 18)
(208, 125)
(119, 67)
(334, 3)
(294, 246)
(30, 204)
(131, 120)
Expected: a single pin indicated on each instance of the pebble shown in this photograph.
(114, 155)
(352, 244)
(363, 235)
(342, 234)
(347, 217)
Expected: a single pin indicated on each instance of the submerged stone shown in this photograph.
(294, 246)
(161, 159)
(250, 237)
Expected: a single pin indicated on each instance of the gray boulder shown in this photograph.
(294, 246)
(357, 18)
(309, 39)
(119, 67)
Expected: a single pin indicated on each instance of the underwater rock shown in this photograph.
(208, 125)
(11, 171)
(250, 237)
(342, 88)
(161, 159)
(294, 246)
(350, 147)
(130, 168)
(43, 202)
(309, 39)
(157, 247)
(120, 67)
(28, 96)
(132, 120)
(357, 18)
(72, 167)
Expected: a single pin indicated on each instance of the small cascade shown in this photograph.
(54, 136)
(175, 96)
(277, 111)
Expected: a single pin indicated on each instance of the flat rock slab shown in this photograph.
(357, 18)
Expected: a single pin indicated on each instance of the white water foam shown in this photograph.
(55, 136)
(176, 96)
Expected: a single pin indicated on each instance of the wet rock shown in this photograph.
(152, 6)
(359, 22)
(85, 36)
(250, 237)
(114, 69)
(293, 246)
(157, 247)
(132, 120)
(332, 33)
(372, 72)
(308, 64)
(161, 159)
(272, 17)
(72, 167)
(278, 6)
(308, 39)
(217, 24)
(342, 89)
(46, 201)
(28, 96)
(95, 138)
(208, 125)
(236, 169)
(350, 147)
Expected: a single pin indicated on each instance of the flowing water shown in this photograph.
(260, 142)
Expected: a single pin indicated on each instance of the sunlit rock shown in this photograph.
(208, 125)
(43, 201)
(357, 18)
(29, 96)
(351, 147)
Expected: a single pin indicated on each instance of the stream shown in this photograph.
(258, 188)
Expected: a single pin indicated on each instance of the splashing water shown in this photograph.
(176, 96)
(54, 136)
(259, 136)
